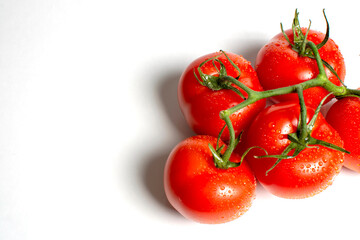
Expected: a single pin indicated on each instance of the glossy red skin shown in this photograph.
(277, 65)
(310, 172)
(200, 191)
(344, 116)
(201, 106)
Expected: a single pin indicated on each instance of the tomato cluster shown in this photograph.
(288, 146)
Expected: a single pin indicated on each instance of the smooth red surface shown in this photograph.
(200, 191)
(344, 116)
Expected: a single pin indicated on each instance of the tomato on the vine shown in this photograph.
(278, 65)
(344, 116)
(304, 175)
(202, 192)
(201, 106)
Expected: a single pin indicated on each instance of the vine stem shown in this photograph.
(321, 80)
(302, 127)
(232, 144)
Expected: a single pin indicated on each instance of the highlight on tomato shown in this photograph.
(202, 192)
(201, 104)
(307, 173)
(344, 116)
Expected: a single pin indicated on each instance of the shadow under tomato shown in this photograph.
(261, 192)
(247, 45)
(167, 91)
(153, 169)
(153, 173)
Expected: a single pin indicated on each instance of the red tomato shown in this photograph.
(278, 65)
(344, 116)
(201, 106)
(308, 173)
(202, 192)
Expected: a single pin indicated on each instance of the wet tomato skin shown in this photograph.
(278, 65)
(201, 106)
(309, 173)
(344, 116)
(202, 192)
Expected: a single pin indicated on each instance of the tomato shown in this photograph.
(202, 192)
(201, 106)
(303, 176)
(278, 65)
(344, 116)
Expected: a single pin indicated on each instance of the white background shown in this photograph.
(89, 114)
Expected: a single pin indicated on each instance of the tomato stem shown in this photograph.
(303, 114)
(231, 146)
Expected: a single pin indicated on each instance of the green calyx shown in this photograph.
(221, 160)
(300, 42)
(222, 80)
